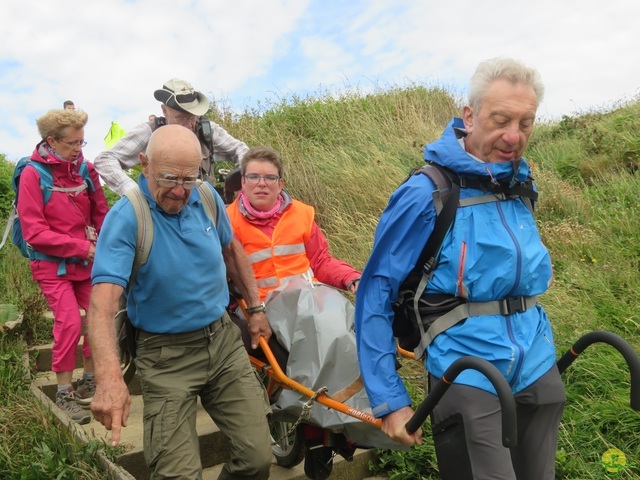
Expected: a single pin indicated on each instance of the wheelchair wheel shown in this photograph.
(288, 449)
(127, 364)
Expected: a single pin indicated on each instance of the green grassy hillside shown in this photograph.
(345, 156)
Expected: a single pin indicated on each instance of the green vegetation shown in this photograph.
(33, 445)
(345, 156)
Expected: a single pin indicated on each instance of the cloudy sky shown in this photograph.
(109, 56)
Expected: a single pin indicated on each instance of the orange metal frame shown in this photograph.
(273, 371)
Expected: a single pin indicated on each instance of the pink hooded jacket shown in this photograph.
(59, 227)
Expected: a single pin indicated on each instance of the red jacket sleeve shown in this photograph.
(326, 268)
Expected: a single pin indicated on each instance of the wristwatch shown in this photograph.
(257, 309)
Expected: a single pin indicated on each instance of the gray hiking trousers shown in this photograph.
(467, 432)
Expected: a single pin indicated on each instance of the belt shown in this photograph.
(150, 340)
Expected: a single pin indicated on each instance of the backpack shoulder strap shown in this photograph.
(500, 191)
(84, 171)
(446, 197)
(46, 179)
(209, 202)
(144, 231)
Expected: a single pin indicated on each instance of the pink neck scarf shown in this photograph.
(251, 210)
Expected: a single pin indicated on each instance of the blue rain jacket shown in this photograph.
(493, 252)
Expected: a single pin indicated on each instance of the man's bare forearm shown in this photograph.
(103, 307)
(240, 271)
(111, 402)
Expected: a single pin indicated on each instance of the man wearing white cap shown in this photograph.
(181, 105)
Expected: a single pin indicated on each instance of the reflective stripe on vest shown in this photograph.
(273, 281)
(267, 282)
(260, 255)
(289, 249)
(281, 256)
(277, 250)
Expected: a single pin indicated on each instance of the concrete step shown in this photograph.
(357, 469)
(213, 444)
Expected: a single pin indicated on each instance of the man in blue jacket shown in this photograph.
(493, 253)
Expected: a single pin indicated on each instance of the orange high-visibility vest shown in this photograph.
(276, 259)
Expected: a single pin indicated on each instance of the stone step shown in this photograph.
(213, 444)
(41, 354)
(357, 469)
(45, 378)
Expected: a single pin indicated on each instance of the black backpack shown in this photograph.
(414, 313)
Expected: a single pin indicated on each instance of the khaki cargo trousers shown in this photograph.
(210, 363)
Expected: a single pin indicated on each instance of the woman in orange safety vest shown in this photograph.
(283, 241)
(279, 233)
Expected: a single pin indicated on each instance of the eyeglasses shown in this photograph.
(254, 178)
(187, 183)
(79, 143)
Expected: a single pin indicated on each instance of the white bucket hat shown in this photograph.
(180, 95)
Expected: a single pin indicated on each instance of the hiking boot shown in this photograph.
(67, 402)
(318, 462)
(86, 390)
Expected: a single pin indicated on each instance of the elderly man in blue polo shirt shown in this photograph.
(186, 344)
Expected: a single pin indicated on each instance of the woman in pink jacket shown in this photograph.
(61, 233)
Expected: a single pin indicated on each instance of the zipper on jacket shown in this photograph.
(518, 272)
(516, 282)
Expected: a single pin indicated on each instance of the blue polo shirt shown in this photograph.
(183, 285)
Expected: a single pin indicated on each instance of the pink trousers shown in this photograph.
(65, 296)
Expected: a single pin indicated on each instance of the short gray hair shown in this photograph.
(496, 68)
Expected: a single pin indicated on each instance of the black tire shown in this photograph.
(288, 450)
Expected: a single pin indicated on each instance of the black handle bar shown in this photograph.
(631, 357)
(507, 402)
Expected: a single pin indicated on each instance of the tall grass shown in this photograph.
(345, 155)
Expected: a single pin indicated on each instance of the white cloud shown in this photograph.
(109, 57)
